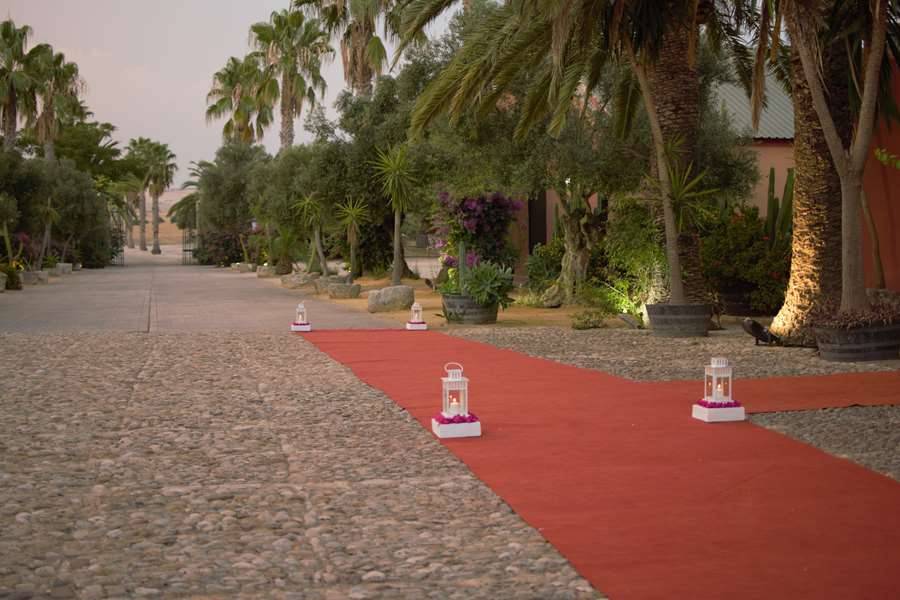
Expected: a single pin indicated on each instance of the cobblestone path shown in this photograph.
(237, 465)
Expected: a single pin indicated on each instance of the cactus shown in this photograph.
(779, 215)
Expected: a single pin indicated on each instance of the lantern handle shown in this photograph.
(447, 366)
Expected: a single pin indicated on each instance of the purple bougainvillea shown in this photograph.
(482, 223)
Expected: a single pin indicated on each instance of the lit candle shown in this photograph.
(454, 406)
(719, 389)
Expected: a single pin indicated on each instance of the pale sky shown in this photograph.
(149, 65)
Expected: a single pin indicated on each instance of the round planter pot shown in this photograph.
(463, 309)
(679, 320)
(875, 342)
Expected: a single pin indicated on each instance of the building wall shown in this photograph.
(777, 154)
(882, 185)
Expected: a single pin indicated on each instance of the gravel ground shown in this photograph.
(222, 465)
(869, 436)
(639, 355)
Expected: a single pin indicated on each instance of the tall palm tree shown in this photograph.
(20, 77)
(294, 47)
(160, 177)
(394, 171)
(59, 94)
(140, 150)
(362, 51)
(244, 93)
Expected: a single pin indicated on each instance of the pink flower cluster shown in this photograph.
(469, 418)
(706, 404)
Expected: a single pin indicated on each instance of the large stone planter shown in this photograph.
(63, 268)
(323, 283)
(298, 280)
(464, 309)
(35, 277)
(2, 282)
(344, 291)
(679, 320)
(392, 298)
(264, 271)
(875, 342)
(76, 267)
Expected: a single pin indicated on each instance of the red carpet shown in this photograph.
(643, 500)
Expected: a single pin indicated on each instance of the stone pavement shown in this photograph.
(227, 461)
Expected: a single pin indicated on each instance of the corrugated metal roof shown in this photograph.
(775, 122)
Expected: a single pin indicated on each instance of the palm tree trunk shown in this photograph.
(352, 238)
(129, 225)
(676, 285)
(156, 249)
(142, 225)
(320, 250)
(397, 270)
(9, 122)
(815, 278)
(287, 112)
(675, 81)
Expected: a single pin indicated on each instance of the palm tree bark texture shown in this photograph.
(815, 277)
(675, 80)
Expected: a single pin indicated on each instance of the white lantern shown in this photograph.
(718, 403)
(455, 420)
(416, 322)
(301, 322)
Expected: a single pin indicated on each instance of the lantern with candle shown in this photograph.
(416, 322)
(717, 403)
(455, 420)
(301, 322)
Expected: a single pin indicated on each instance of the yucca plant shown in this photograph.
(394, 170)
(353, 214)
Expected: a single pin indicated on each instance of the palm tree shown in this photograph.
(805, 24)
(140, 150)
(160, 176)
(393, 169)
(294, 47)
(59, 94)
(20, 77)
(362, 52)
(244, 93)
(127, 188)
(193, 200)
(566, 49)
(352, 215)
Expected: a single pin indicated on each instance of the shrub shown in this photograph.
(13, 281)
(591, 318)
(488, 284)
(219, 248)
(738, 258)
(545, 264)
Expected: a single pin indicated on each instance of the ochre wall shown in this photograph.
(771, 154)
(882, 185)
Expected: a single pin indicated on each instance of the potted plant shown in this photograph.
(473, 296)
(858, 335)
(681, 195)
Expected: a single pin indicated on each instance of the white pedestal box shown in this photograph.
(719, 415)
(301, 327)
(456, 430)
(410, 326)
